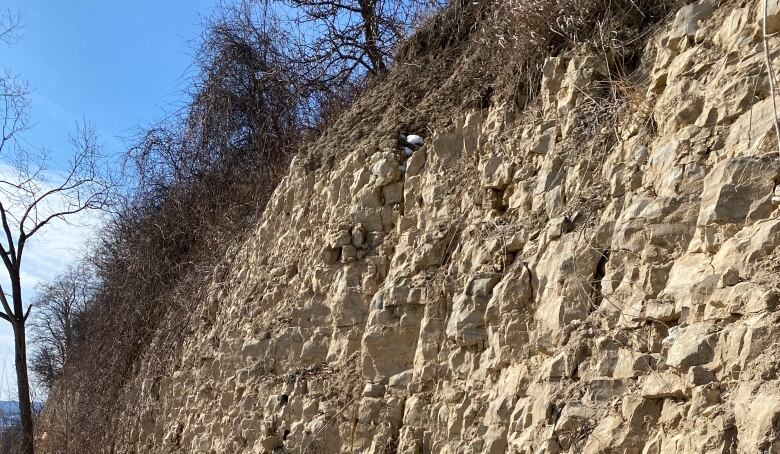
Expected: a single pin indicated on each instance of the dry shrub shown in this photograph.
(495, 49)
(524, 33)
(199, 179)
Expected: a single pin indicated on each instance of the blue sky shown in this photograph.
(117, 64)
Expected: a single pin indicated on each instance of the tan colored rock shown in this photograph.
(497, 172)
(736, 187)
(358, 236)
(339, 238)
(687, 22)
(466, 324)
(415, 163)
(757, 416)
(661, 310)
(545, 141)
(632, 364)
(553, 71)
(692, 347)
(732, 28)
(659, 385)
(386, 170)
(330, 255)
(393, 193)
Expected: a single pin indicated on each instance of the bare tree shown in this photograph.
(33, 196)
(30, 199)
(9, 26)
(342, 41)
(54, 324)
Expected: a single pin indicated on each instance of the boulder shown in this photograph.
(735, 187)
(386, 170)
(692, 347)
(658, 385)
(497, 172)
(687, 22)
(545, 141)
(415, 163)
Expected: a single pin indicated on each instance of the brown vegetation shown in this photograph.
(32, 199)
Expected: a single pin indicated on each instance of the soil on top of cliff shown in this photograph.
(473, 55)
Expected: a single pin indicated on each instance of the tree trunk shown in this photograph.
(370, 33)
(23, 386)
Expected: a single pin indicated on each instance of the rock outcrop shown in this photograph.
(595, 274)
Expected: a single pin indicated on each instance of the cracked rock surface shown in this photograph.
(547, 280)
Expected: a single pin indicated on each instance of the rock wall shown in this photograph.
(595, 273)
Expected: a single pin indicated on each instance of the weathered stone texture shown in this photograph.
(474, 296)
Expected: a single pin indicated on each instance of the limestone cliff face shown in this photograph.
(594, 274)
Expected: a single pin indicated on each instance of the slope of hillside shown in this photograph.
(595, 271)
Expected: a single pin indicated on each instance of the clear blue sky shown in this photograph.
(118, 64)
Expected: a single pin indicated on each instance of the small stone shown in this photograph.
(339, 238)
(393, 193)
(497, 172)
(659, 385)
(729, 278)
(348, 253)
(358, 236)
(691, 348)
(375, 390)
(330, 255)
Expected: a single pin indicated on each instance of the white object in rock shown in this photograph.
(674, 332)
(414, 139)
